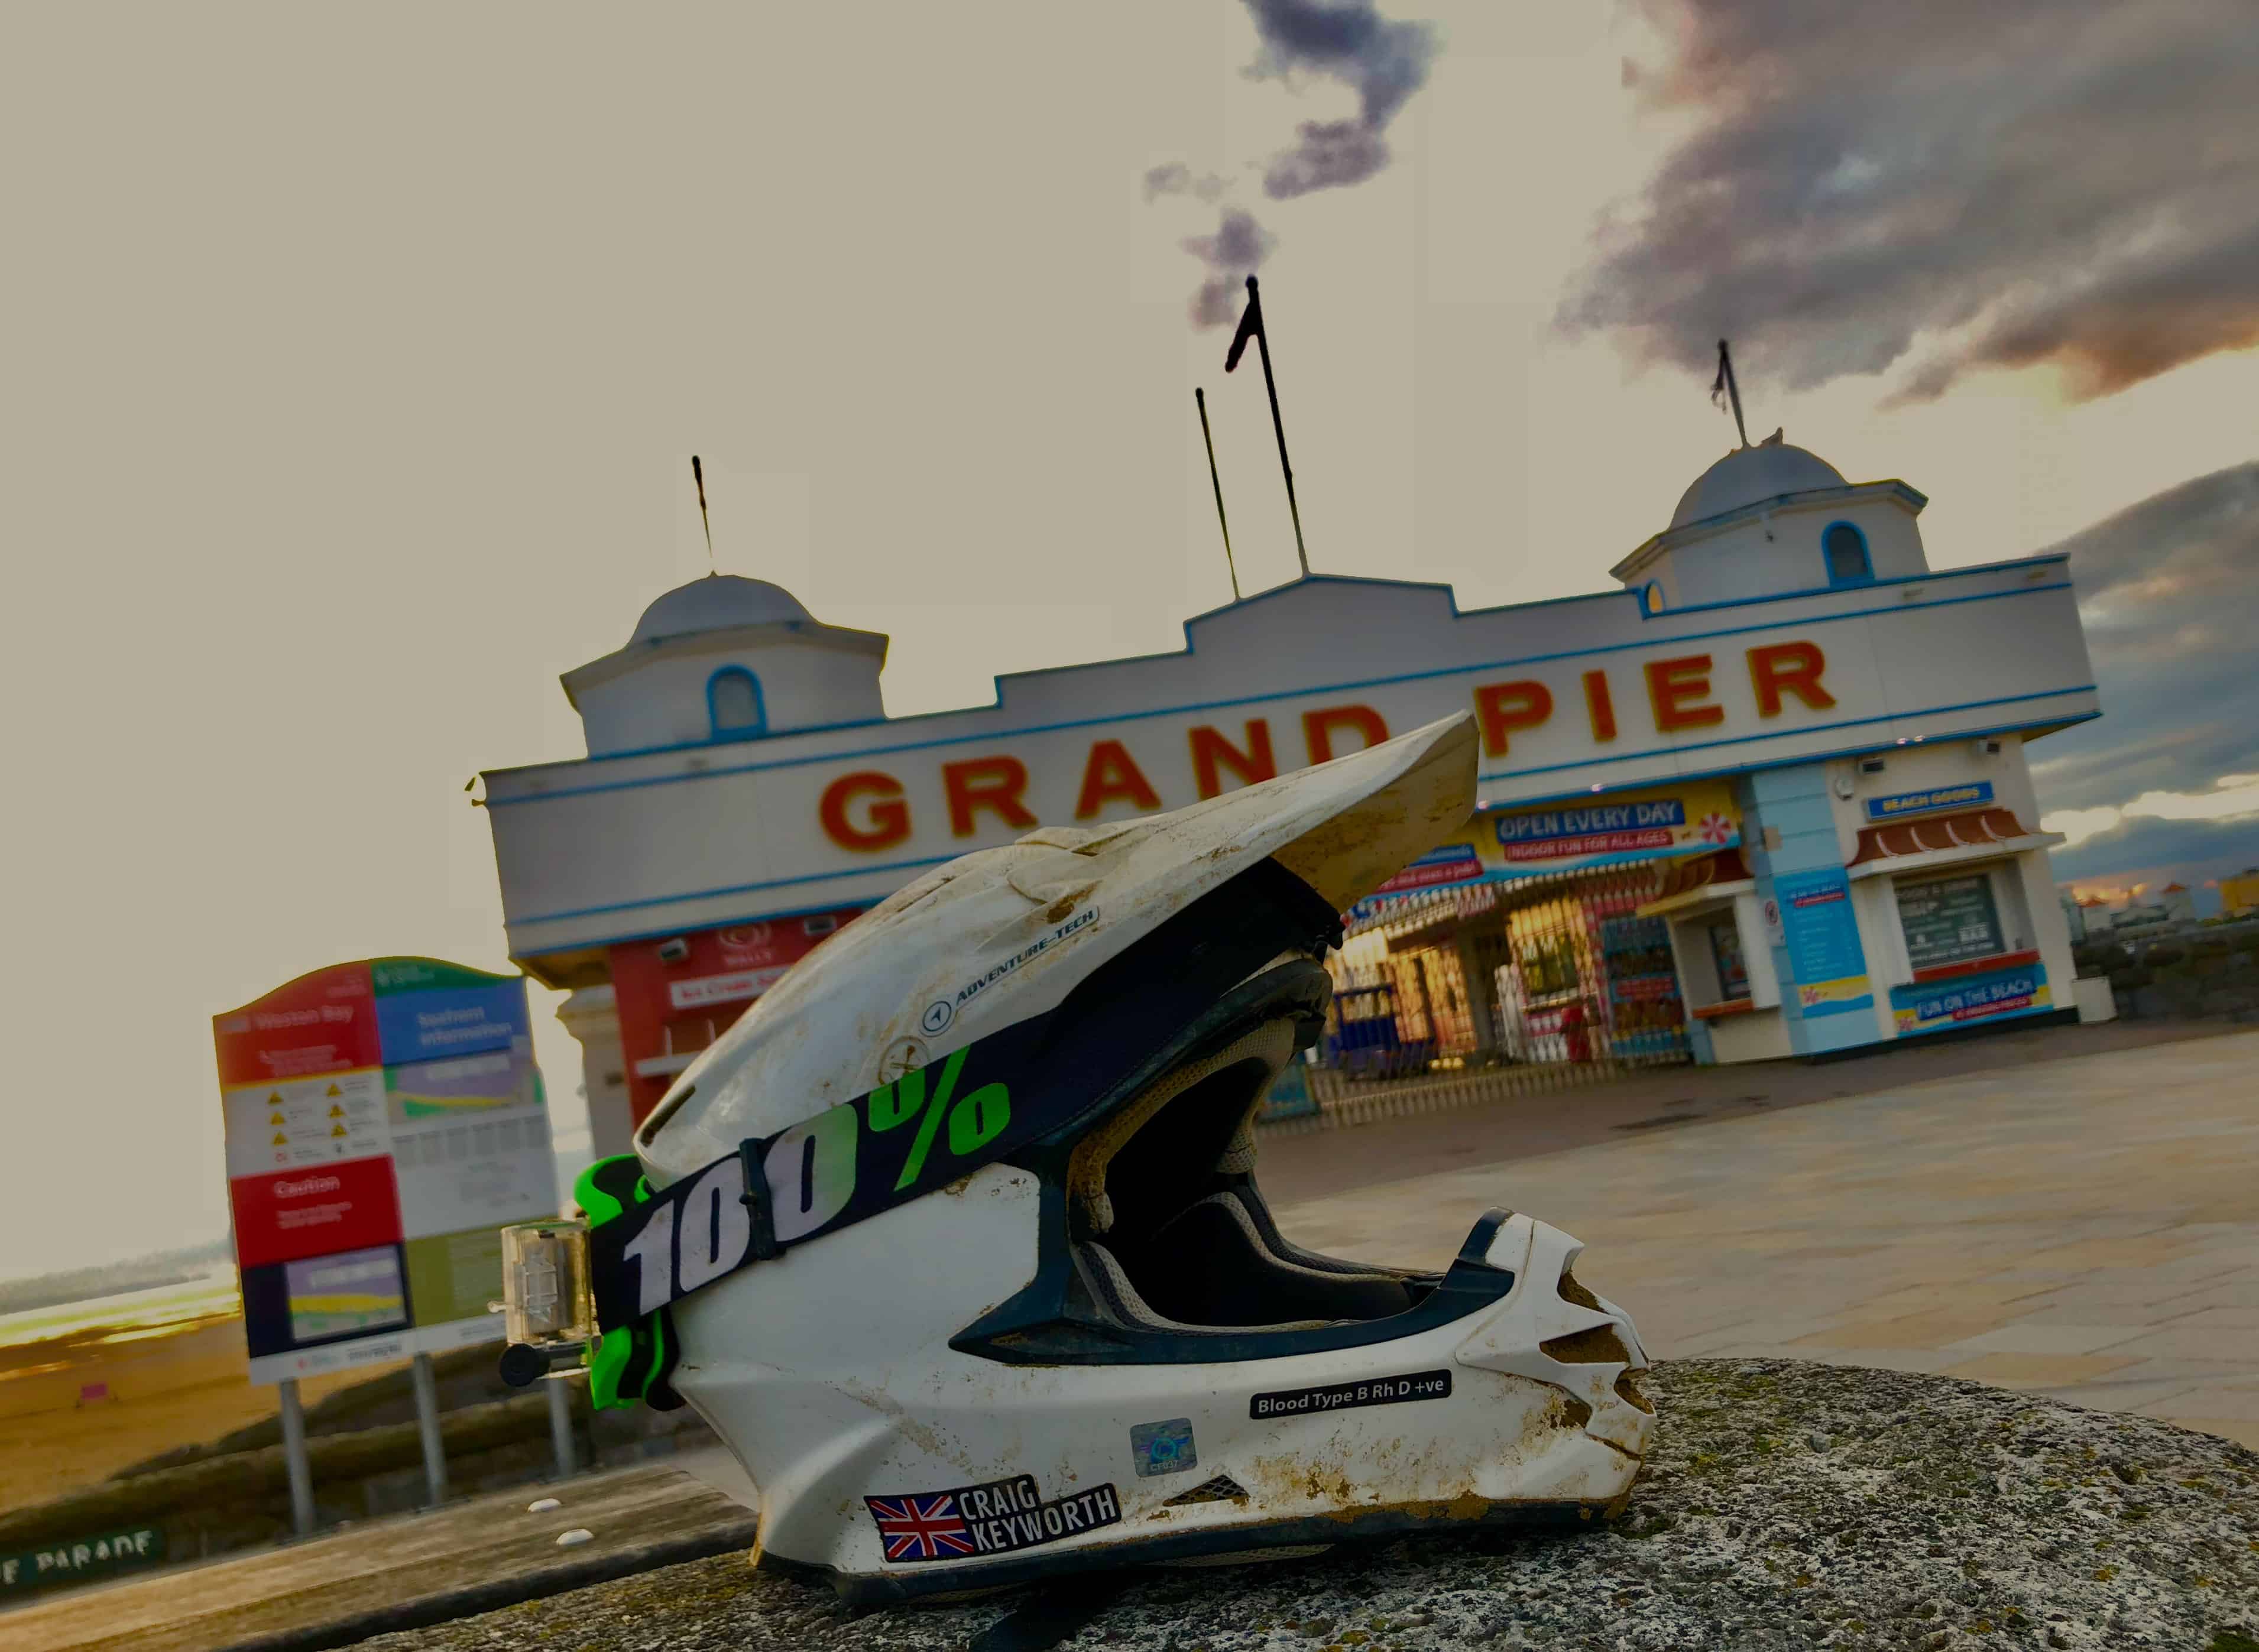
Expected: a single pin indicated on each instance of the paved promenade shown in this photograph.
(2085, 1226)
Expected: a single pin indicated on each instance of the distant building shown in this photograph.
(2238, 896)
(2173, 906)
(2074, 916)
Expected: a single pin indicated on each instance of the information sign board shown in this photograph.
(1949, 920)
(383, 1121)
(1825, 958)
(1938, 1006)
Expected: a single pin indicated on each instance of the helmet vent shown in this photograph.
(1222, 1489)
(1599, 1346)
(1572, 1292)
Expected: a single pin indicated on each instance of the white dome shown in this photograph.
(718, 603)
(1750, 474)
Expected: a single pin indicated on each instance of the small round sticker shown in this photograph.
(938, 1015)
(900, 1056)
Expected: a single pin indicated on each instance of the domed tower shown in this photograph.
(726, 659)
(1773, 519)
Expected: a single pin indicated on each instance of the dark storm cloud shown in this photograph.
(2169, 591)
(1383, 61)
(2069, 181)
(1234, 252)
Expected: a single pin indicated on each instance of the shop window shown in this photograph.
(1950, 920)
(1725, 939)
(1548, 965)
(733, 704)
(1845, 547)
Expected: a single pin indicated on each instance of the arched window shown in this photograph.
(1650, 596)
(733, 704)
(1845, 548)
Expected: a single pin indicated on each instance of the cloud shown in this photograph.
(2077, 825)
(1386, 61)
(2169, 591)
(1234, 252)
(1936, 187)
(1175, 178)
(2233, 797)
(1347, 40)
(1333, 153)
(2143, 856)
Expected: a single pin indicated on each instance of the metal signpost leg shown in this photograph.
(427, 1423)
(293, 1454)
(561, 1425)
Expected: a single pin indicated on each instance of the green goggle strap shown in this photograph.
(621, 1364)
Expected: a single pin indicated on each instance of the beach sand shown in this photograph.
(176, 1373)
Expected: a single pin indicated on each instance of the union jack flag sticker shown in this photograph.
(921, 1527)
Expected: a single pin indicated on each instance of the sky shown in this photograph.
(355, 357)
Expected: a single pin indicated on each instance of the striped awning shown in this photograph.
(1697, 873)
(1969, 828)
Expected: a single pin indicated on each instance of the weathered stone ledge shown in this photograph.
(1786, 1505)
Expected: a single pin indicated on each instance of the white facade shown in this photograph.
(721, 659)
(713, 833)
(1740, 646)
(1757, 522)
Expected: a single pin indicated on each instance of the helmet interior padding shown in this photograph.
(1173, 1233)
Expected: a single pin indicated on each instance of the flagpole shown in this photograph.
(698, 475)
(1263, 343)
(1733, 389)
(1199, 398)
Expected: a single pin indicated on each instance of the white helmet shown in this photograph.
(954, 1238)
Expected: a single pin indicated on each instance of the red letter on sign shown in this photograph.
(1795, 666)
(1503, 707)
(890, 816)
(1671, 684)
(1602, 708)
(1318, 728)
(1112, 772)
(1210, 749)
(980, 783)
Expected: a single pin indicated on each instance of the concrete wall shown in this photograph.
(1760, 1036)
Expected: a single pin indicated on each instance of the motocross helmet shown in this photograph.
(955, 1238)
